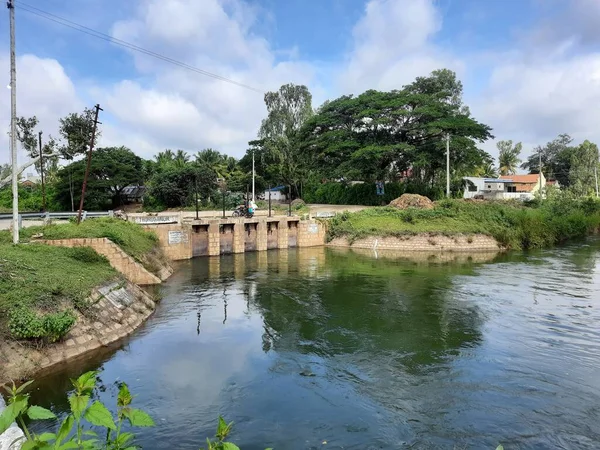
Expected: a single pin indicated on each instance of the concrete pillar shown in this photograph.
(261, 235)
(214, 238)
(283, 234)
(238, 236)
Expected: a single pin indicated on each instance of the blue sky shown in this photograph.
(530, 68)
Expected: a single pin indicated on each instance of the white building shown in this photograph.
(520, 187)
(277, 194)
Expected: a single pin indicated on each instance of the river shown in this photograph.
(326, 349)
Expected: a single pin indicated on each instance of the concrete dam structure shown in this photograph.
(182, 239)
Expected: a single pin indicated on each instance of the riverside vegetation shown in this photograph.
(41, 286)
(514, 225)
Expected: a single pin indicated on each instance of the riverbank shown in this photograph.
(513, 225)
(74, 291)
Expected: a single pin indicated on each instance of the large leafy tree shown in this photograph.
(279, 145)
(584, 164)
(378, 135)
(508, 156)
(556, 159)
(176, 186)
(111, 170)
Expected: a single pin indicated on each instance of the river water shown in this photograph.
(329, 349)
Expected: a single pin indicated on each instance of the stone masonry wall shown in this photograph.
(423, 242)
(311, 233)
(118, 259)
(117, 309)
(174, 239)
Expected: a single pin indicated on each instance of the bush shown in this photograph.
(26, 324)
(298, 204)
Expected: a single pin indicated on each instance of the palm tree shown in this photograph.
(508, 157)
(181, 159)
(213, 160)
(487, 170)
(165, 158)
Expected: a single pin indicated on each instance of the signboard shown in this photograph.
(177, 237)
(313, 228)
(380, 187)
(155, 220)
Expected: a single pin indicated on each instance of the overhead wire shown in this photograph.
(98, 34)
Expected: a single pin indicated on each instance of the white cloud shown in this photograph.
(43, 90)
(178, 108)
(393, 45)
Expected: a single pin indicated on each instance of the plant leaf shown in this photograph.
(39, 413)
(78, 404)
(45, 437)
(124, 398)
(99, 415)
(138, 418)
(65, 428)
(230, 446)
(223, 429)
(500, 447)
(11, 412)
(23, 387)
(29, 445)
(123, 439)
(86, 382)
(68, 445)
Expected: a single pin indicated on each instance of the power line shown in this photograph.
(98, 34)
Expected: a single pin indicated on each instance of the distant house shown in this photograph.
(277, 194)
(520, 187)
(27, 183)
(133, 194)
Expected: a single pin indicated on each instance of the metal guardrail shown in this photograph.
(46, 216)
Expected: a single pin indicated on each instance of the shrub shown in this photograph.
(298, 204)
(25, 324)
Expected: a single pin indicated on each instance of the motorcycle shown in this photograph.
(242, 211)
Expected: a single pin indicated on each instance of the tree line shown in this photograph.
(397, 137)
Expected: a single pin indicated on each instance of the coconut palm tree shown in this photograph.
(213, 160)
(165, 158)
(181, 159)
(508, 157)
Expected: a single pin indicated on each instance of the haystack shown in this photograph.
(412, 201)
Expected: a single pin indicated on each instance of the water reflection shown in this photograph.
(298, 347)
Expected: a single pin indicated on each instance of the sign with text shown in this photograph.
(155, 220)
(380, 187)
(177, 237)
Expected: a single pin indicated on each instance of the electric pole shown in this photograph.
(42, 173)
(540, 175)
(89, 163)
(13, 123)
(448, 165)
(596, 177)
(253, 198)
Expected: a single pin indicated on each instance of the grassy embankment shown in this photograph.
(514, 225)
(41, 285)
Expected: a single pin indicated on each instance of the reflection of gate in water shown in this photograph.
(199, 240)
(272, 235)
(226, 234)
(292, 233)
(250, 233)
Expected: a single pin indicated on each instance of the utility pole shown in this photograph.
(596, 177)
(42, 173)
(13, 123)
(253, 198)
(89, 163)
(448, 165)
(540, 174)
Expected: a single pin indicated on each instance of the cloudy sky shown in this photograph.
(531, 68)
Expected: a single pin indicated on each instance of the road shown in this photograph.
(314, 209)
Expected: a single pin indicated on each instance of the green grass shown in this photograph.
(514, 225)
(131, 237)
(45, 279)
